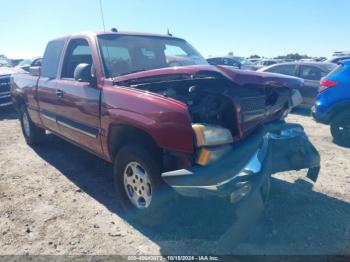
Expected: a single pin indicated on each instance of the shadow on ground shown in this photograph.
(307, 112)
(7, 113)
(297, 220)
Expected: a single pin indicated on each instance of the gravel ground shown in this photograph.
(58, 199)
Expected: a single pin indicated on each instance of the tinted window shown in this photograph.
(214, 61)
(230, 62)
(78, 52)
(51, 58)
(336, 70)
(311, 73)
(283, 69)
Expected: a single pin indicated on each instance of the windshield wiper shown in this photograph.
(131, 72)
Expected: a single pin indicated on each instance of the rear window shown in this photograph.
(336, 70)
(282, 69)
(51, 58)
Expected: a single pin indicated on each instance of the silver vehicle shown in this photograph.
(234, 61)
(311, 72)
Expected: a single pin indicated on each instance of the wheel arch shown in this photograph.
(340, 107)
(120, 135)
(18, 102)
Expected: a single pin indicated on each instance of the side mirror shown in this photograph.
(35, 70)
(82, 73)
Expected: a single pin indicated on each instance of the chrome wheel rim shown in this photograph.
(26, 126)
(137, 185)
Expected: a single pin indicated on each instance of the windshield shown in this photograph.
(124, 54)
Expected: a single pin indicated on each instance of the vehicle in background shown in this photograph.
(332, 105)
(266, 62)
(5, 74)
(233, 61)
(254, 60)
(27, 63)
(201, 130)
(15, 62)
(307, 60)
(5, 63)
(340, 53)
(311, 73)
(337, 59)
(320, 59)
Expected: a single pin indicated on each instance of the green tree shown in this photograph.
(295, 56)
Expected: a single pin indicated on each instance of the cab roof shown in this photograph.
(122, 33)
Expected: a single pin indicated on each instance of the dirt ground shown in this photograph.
(59, 199)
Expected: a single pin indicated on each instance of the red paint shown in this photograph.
(167, 121)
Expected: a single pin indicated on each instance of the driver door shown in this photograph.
(78, 106)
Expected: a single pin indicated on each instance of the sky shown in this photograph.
(265, 27)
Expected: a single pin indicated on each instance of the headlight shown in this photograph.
(208, 135)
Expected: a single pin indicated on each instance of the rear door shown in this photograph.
(46, 91)
(78, 109)
(291, 70)
(311, 75)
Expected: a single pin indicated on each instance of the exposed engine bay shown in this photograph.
(217, 101)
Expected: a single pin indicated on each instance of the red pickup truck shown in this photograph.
(165, 118)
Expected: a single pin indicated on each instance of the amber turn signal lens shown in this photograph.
(203, 157)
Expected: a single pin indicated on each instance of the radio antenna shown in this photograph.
(102, 16)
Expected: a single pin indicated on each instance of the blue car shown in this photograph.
(333, 103)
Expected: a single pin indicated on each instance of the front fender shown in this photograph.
(167, 122)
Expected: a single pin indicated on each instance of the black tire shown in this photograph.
(152, 215)
(340, 128)
(33, 135)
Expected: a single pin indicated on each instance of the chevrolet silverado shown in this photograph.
(167, 120)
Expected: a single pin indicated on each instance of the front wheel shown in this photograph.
(340, 128)
(32, 134)
(138, 185)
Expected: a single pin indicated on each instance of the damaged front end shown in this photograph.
(240, 137)
(276, 147)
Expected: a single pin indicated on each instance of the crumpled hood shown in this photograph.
(240, 77)
(243, 77)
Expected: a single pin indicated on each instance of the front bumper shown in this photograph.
(320, 116)
(276, 147)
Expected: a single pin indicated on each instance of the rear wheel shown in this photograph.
(32, 134)
(139, 187)
(340, 128)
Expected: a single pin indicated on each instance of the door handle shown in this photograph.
(59, 93)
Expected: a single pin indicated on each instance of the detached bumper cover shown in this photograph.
(276, 147)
